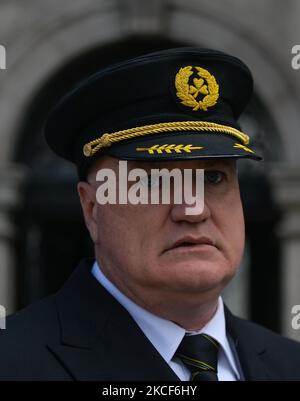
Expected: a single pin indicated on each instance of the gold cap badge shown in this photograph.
(189, 93)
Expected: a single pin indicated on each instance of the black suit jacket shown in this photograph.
(83, 333)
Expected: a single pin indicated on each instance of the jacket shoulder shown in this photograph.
(272, 339)
(23, 343)
(280, 355)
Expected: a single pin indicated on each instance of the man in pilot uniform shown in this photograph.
(149, 306)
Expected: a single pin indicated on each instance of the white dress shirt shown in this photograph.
(166, 335)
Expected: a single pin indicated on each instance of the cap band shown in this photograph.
(90, 148)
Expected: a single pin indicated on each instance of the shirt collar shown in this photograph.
(166, 335)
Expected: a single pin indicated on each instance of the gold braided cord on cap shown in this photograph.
(107, 140)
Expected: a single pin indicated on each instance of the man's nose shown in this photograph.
(192, 213)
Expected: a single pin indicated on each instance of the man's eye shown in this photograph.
(214, 177)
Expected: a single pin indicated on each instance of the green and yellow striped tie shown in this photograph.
(200, 354)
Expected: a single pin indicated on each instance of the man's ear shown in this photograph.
(87, 195)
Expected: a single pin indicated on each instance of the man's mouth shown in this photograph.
(191, 242)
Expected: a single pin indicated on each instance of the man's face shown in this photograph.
(159, 249)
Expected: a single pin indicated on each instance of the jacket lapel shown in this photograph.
(99, 338)
(251, 348)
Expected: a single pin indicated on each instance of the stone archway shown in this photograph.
(67, 33)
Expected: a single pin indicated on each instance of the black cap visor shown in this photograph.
(180, 146)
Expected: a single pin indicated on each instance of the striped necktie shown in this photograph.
(200, 354)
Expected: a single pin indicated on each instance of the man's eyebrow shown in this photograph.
(228, 166)
(147, 164)
(215, 165)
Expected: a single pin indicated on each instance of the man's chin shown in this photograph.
(198, 274)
